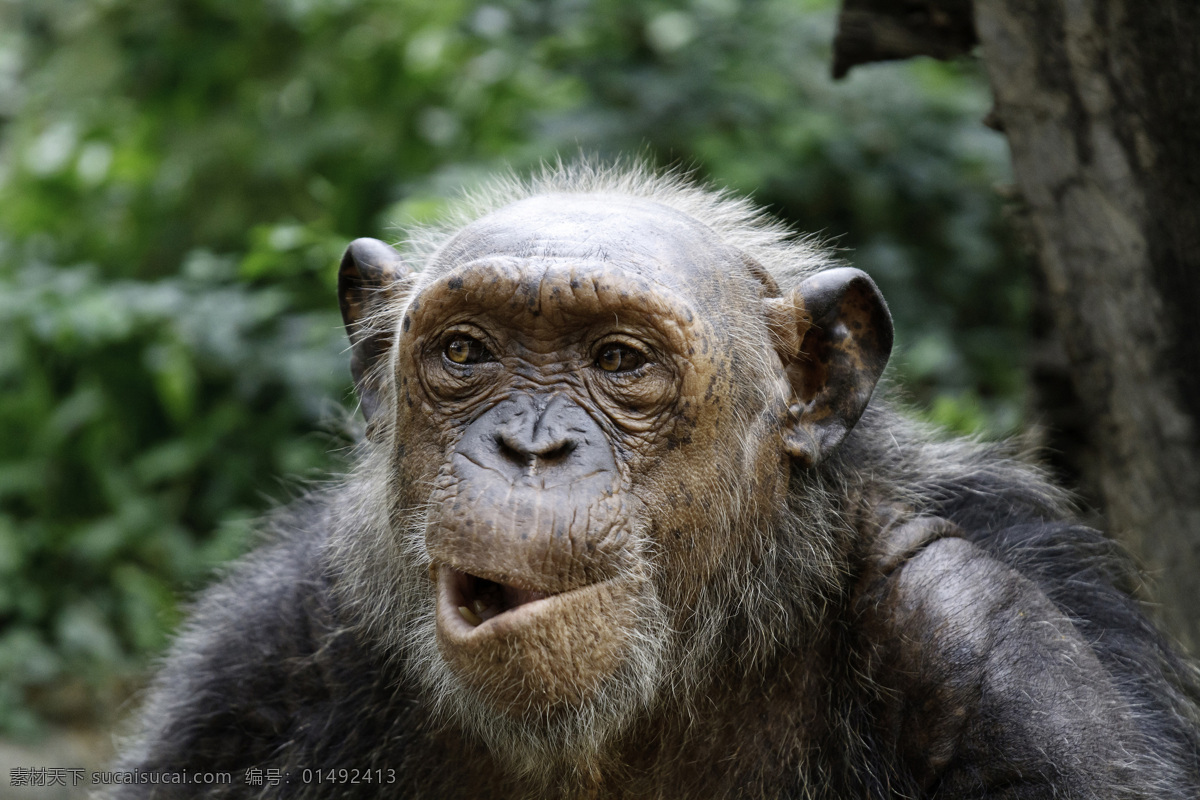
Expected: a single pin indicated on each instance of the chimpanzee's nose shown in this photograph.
(539, 434)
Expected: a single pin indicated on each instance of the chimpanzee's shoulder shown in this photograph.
(264, 657)
(1005, 652)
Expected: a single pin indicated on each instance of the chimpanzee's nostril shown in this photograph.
(557, 452)
(512, 451)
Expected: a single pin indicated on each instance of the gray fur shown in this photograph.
(317, 650)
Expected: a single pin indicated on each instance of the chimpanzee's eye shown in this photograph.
(619, 358)
(465, 350)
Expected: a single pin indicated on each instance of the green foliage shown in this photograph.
(143, 425)
(178, 178)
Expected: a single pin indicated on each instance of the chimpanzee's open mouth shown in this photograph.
(478, 599)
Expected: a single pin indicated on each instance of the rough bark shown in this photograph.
(1100, 101)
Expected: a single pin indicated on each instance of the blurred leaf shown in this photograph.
(83, 632)
(147, 605)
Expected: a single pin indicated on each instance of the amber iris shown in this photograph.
(465, 350)
(619, 358)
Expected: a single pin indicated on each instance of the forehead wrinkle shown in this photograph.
(537, 294)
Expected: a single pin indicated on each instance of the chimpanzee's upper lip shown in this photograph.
(502, 606)
(476, 599)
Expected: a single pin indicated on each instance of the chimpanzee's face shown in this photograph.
(585, 423)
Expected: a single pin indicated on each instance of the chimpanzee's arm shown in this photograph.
(989, 690)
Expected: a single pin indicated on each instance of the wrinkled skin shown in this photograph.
(630, 524)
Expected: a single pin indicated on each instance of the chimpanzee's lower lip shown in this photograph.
(542, 653)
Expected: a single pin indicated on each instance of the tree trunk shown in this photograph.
(1100, 100)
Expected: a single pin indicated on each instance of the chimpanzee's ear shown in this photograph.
(834, 335)
(370, 276)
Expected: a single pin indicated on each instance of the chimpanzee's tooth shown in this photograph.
(480, 607)
(469, 615)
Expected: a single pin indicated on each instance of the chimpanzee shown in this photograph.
(626, 521)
